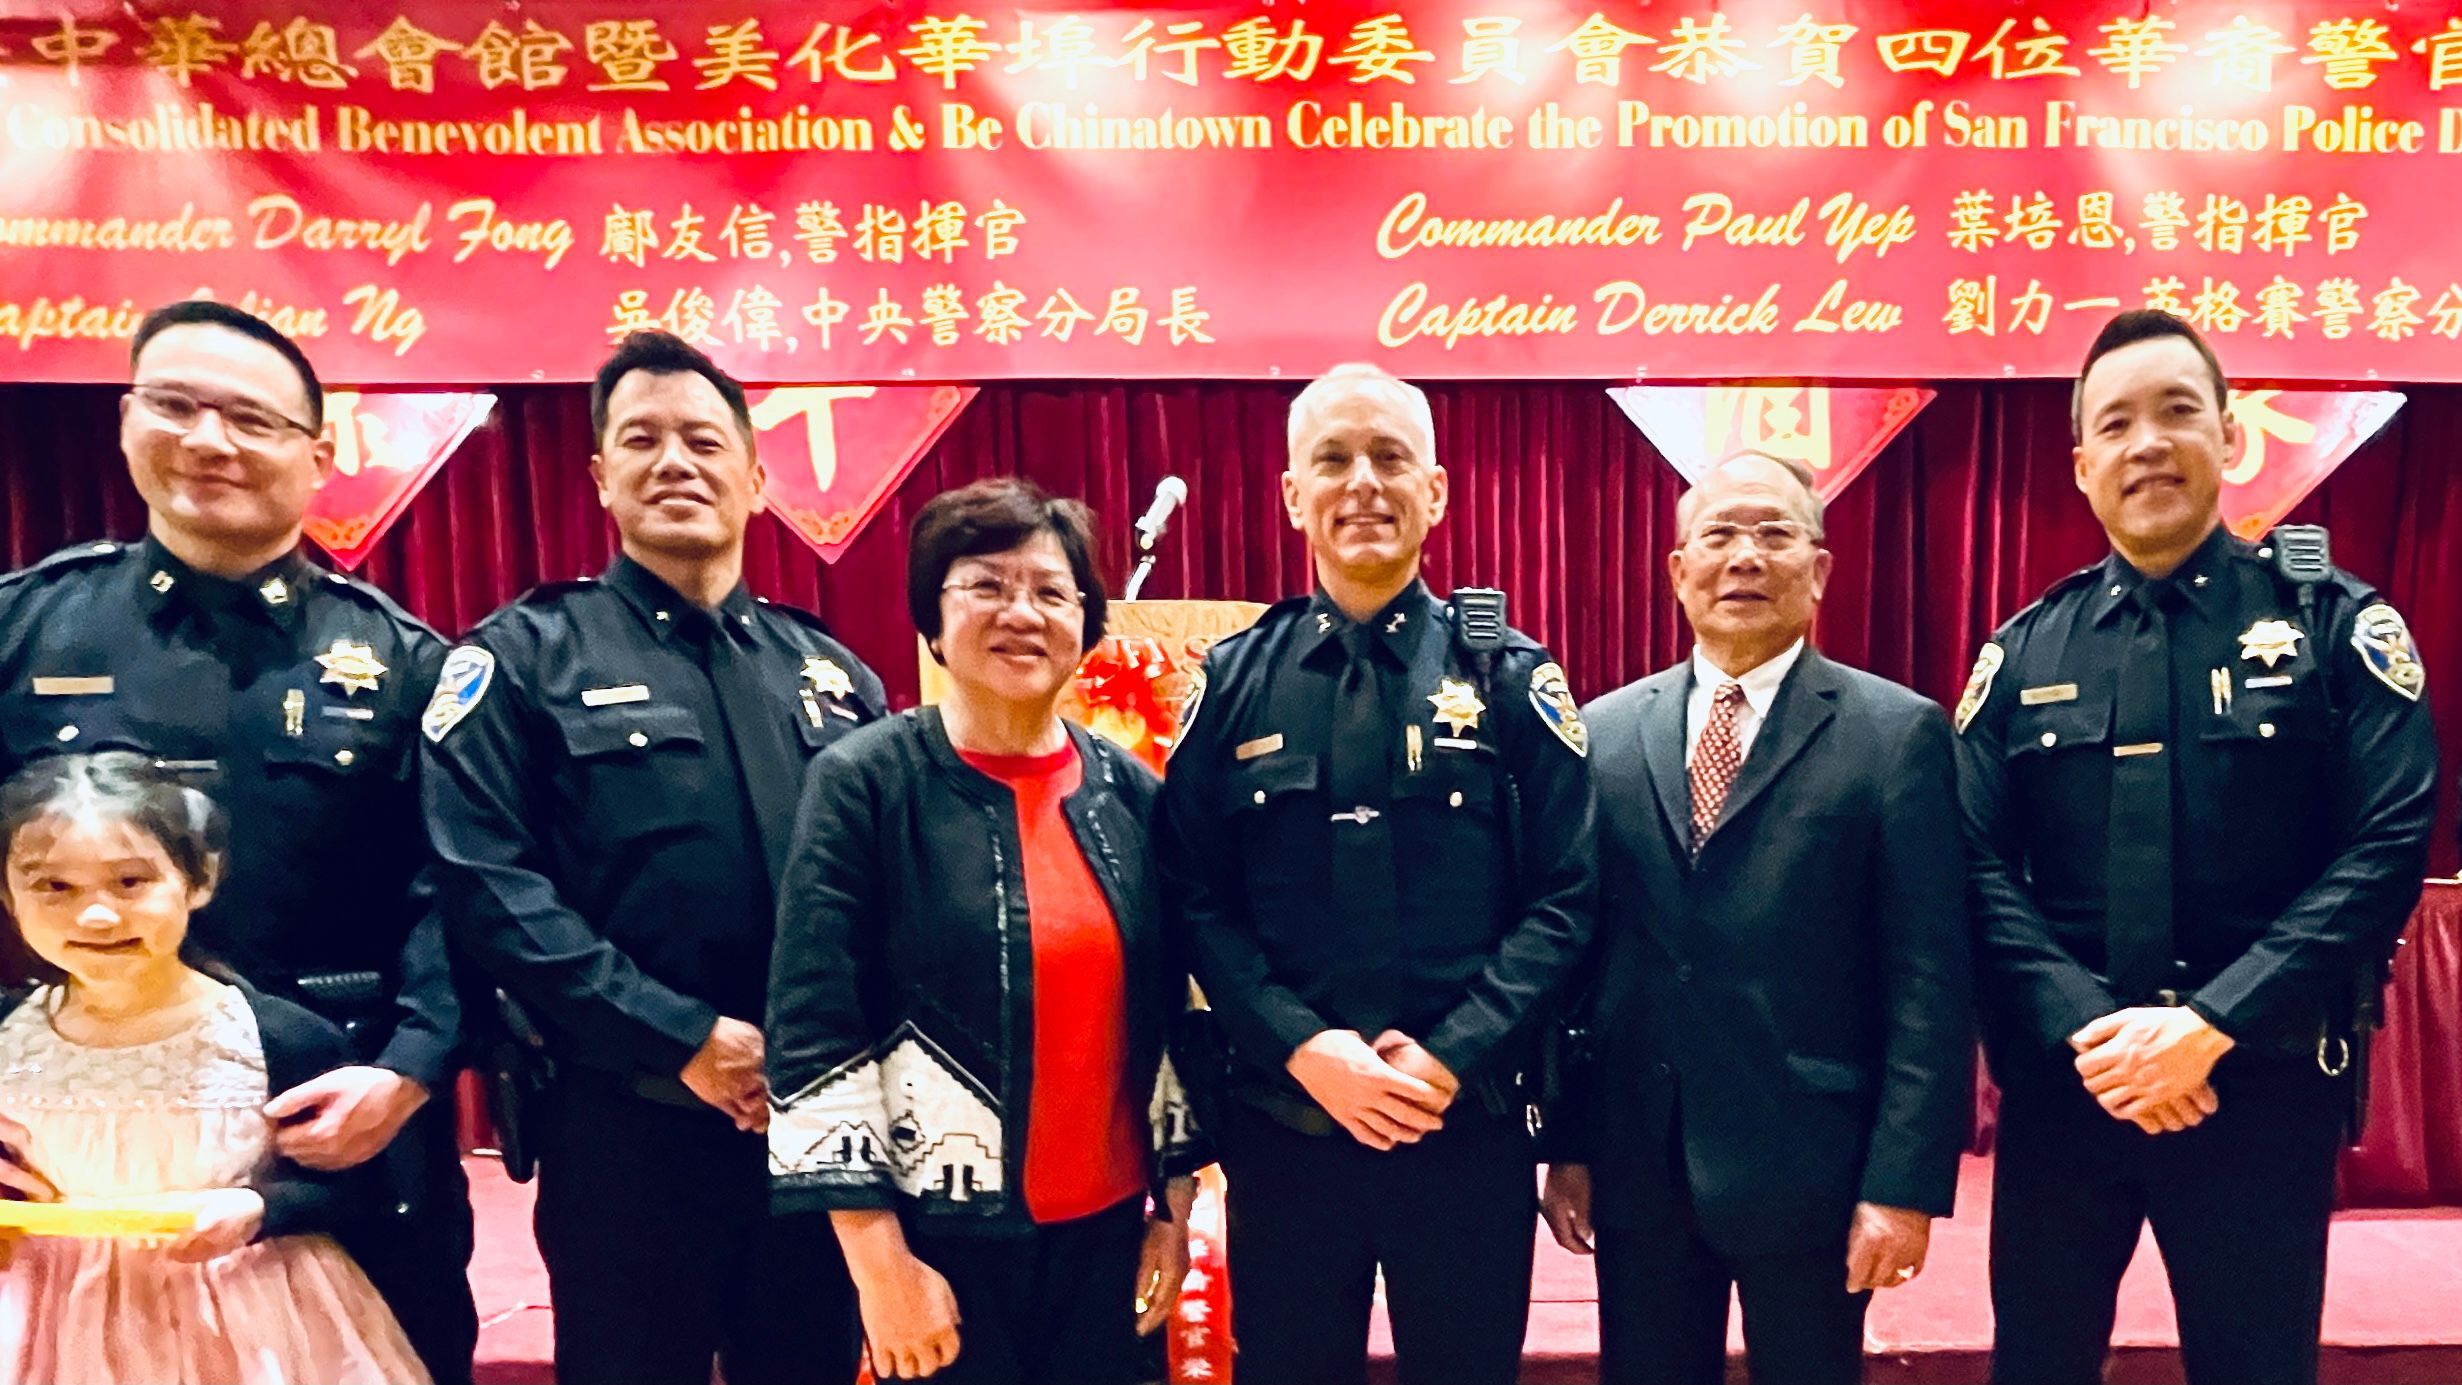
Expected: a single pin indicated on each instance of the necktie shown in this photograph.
(1359, 789)
(757, 731)
(1715, 760)
(2137, 879)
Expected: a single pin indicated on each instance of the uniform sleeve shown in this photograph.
(1554, 865)
(428, 1030)
(2384, 807)
(2021, 964)
(300, 1200)
(1928, 1051)
(480, 780)
(1205, 900)
(829, 1136)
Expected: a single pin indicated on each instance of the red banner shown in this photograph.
(2290, 441)
(1836, 432)
(1854, 189)
(835, 453)
(386, 446)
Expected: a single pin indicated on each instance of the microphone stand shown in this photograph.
(1137, 579)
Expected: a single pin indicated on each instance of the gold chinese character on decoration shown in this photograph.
(752, 318)
(2349, 50)
(1060, 315)
(2039, 54)
(300, 52)
(947, 48)
(2094, 228)
(816, 405)
(1491, 47)
(2391, 317)
(1972, 305)
(409, 54)
(1187, 321)
(2260, 422)
(818, 227)
(2163, 295)
(886, 317)
(997, 319)
(736, 54)
(2443, 50)
(2031, 311)
(1812, 51)
(1697, 52)
(939, 232)
(628, 51)
(528, 58)
(2222, 225)
(2242, 53)
(2337, 303)
(1065, 45)
(630, 236)
(2216, 308)
(746, 233)
(1789, 421)
(361, 441)
(1260, 53)
(684, 237)
(70, 46)
(2165, 217)
(999, 223)
(690, 314)
(944, 307)
(880, 235)
(2282, 223)
(1187, 41)
(2342, 224)
(2278, 307)
(1377, 49)
(1598, 50)
(1923, 50)
(843, 55)
(1972, 227)
(826, 312)
(1125, 318)
(2137, 49)
(2446, 315)
(184, 47)
(2032, 220)
(632, 314)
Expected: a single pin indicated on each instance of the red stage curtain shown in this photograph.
(1965, 518)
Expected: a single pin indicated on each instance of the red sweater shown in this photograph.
(1085, 1139)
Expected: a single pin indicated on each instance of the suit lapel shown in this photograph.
(1804, 705)
(1662, 743)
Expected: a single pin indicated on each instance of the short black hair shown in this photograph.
(206, 312)
(663, 353)
(121, 786)
(2128, 329)
(996, 516)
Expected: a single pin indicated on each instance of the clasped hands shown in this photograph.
(2150, 1065)
(1387, 1093)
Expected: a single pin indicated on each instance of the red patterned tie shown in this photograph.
(1715, 761)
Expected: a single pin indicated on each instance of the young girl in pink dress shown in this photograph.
(138, 1078)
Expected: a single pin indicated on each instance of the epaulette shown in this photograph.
(800, 616)
(369, 594)
(552, 591)
(1288, 606)
(66, 560)
(2057, 589)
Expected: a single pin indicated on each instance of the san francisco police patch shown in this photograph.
(1978, 684)
(2384, 645)
(459, 686)
(1553, 697)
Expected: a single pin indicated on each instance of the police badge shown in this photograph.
(2384, 645)
(1978, 684)
(459, 685)
(1553, 697)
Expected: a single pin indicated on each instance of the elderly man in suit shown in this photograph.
(1775, 1083)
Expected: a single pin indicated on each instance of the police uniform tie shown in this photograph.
(1359, 789)
(2137, 880)
(1716, 760)
(757, 730)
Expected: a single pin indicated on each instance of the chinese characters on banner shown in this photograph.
(833, 455)
(1835, 431)
(386, 447)
(2290, 441)
(1753, 189)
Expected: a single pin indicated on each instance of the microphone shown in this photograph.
(1168, 496)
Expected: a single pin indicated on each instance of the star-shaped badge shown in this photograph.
(827, 678)
(354, 666)
(2270, 640)
(1457, 705)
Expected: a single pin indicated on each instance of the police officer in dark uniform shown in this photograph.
(612, 774)
(1377, 833)
(2198, 781)
(293, 694)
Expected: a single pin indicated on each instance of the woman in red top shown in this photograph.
(971, 991)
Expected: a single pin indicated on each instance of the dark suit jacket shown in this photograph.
(1797, 999)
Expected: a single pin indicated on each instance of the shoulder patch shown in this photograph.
(2384, 645)
(82, 555)
(549, 591)
(1552, 696)
(1978, 684)
(1188, 709)
(460, 684)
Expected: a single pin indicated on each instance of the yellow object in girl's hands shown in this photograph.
(94, 1219)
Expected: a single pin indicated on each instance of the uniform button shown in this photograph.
(401, 1209)
(1456, 800)
(67, 734)
(1662, 1070)
(662, 615)
(344, 757)
(1260, 798)
(637, 739)
(1684, 973)
(2050, 740)
(2266, 729)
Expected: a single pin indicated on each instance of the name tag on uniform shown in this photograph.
(1456, 743)
(2279, 680)
(1262, 745)
(609, 697)
(352, 713)
(2049, 692)
(73, 687)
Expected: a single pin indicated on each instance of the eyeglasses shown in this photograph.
(1770, 536)
(994, 594)
(182, 411)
